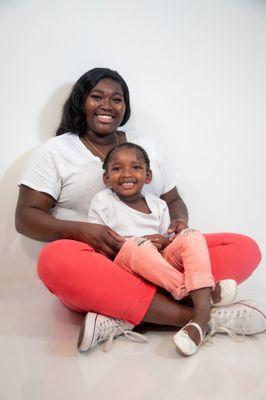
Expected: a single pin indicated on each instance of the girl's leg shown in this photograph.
(140, 256)
(233, 256)
(87, 281)
(201, 313)
(190, 252)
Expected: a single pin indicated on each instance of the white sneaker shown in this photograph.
(228, 292)
(98, 328)
(245, 317)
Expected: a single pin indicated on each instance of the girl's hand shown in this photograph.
(176, 226)
(102, 238)
(158, 241)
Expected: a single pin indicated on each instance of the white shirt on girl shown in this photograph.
(107, 209)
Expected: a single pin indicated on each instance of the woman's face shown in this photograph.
(105, 107)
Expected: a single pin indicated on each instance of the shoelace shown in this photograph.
(109, 330)
(237, 335)
(229, 316)
(119, 330)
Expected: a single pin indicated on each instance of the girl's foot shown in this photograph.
(224, 293)
(190, 337)
(183, 338)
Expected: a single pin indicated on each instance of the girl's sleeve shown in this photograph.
(98, 211)
(164, 217)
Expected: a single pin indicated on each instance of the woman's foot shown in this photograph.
(224, 293)
(246, 317)
(97, 328)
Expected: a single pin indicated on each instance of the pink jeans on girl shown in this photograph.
(183, 266)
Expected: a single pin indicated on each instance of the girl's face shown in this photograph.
(127, 172)
(105, 107)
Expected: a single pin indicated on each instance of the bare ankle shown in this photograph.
(216, 293)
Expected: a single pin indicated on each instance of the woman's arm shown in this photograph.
(176, 205)
(33, 219)
(177, 209)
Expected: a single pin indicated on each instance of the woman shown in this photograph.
(56, 188)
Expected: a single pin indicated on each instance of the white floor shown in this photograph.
(39, 361)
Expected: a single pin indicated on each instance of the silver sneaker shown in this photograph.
(245, 317)
(97, 328)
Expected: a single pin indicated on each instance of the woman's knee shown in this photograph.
(250, 249)
(56, 257)
(233, 255)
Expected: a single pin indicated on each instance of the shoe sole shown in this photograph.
(179, 350)
(87, 330)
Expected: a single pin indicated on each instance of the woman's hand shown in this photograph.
(158, 241)
(102, 238)
(33, 219)
(176, 226)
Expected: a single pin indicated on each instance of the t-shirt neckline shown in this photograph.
(86, 150)
(125, 205)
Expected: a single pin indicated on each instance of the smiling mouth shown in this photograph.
(127, 185)
(104, 117)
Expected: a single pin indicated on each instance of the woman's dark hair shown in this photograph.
(127, 145)
(73, 117)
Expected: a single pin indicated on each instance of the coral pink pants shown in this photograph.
(184, 265)
(87, 281)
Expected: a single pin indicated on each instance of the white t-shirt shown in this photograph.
(107, 209)
(64, 168)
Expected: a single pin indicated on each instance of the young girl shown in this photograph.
(179, 264)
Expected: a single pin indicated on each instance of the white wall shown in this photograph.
(196, 72)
